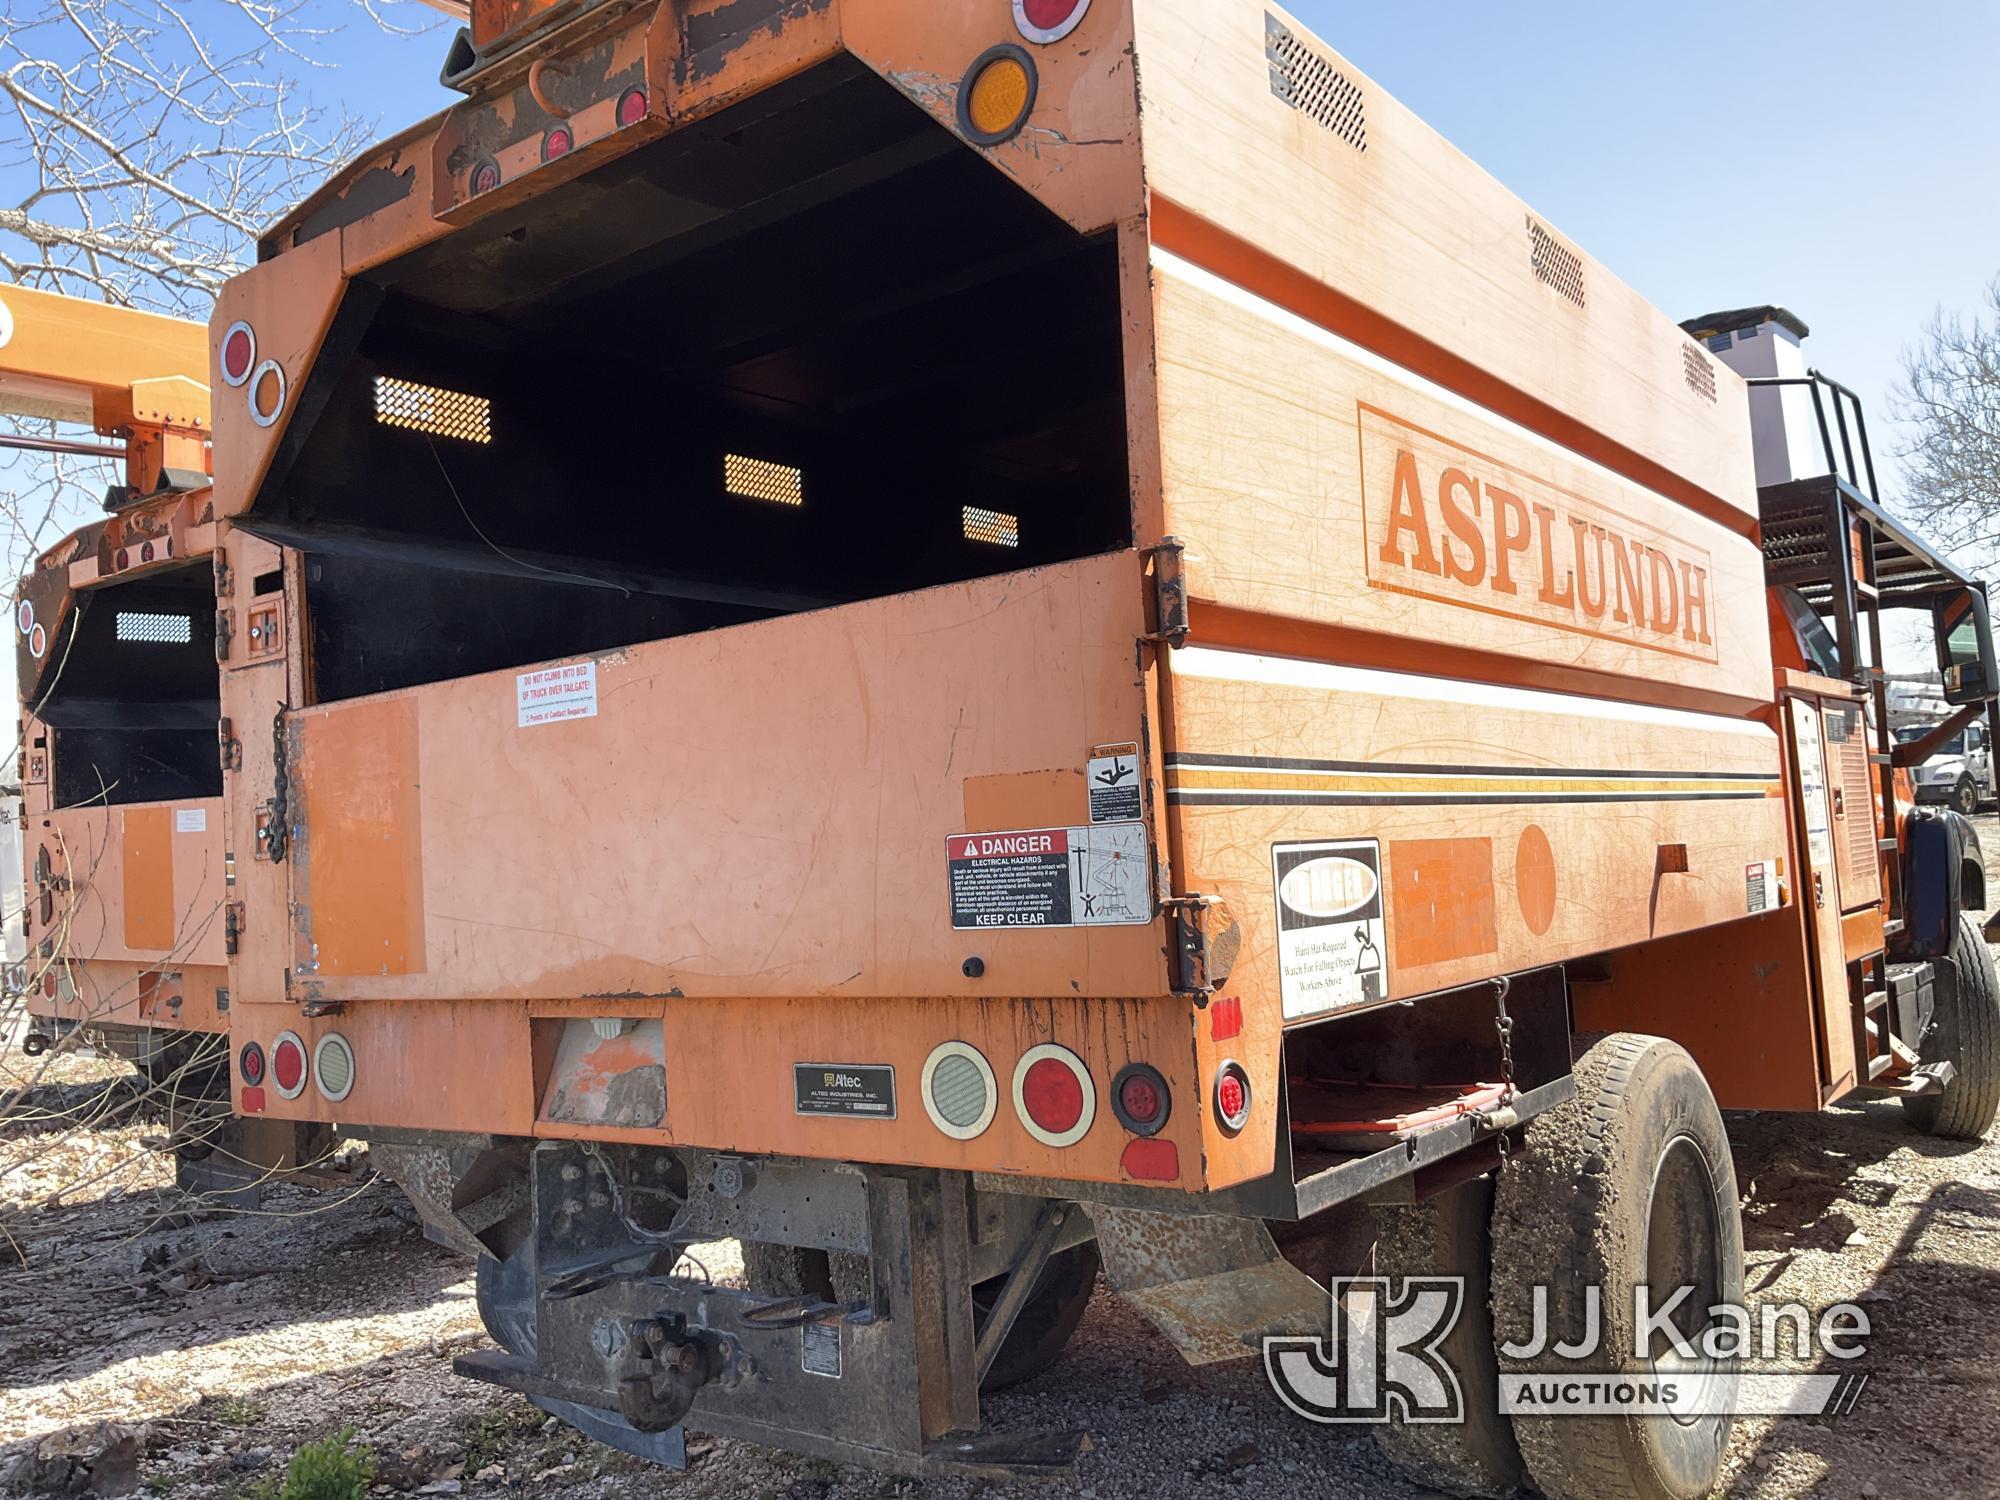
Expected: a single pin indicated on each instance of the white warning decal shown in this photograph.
(1051, 877)
(557, 693)
(190, 820)
(1329, 925)
(1114, 784)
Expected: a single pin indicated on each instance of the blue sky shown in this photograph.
(1835, 157)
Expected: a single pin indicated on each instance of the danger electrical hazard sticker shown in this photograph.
(1051, 877)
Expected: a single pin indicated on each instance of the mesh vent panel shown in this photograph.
(1313, 86)
(427, 409)
(760, 479)
(1556, 265)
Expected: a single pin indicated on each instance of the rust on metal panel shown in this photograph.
(1215, 1286)
(714, 34)
(375, 189)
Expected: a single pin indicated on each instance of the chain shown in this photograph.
(279, 827)
(1504, 1024)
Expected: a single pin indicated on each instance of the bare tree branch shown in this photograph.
(1950, 401)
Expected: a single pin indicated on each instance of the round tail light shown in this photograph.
(557, 143)
(631, 107)
(1232, 1096)
(250, 1064)
(1140, 1099)
(1053, 1095)
(239, 353)
(288, 1065)
(1048, 21)
(959, 1091)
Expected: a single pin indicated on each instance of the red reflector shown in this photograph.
(236, 354)
(485, 177)
(251, 1063)
(253, 1101)
(1229, 1095)
(1052, 1096)
(1225, 1018)
(631, 107)
(288, 1066)
(557, 143)
(146, 552)
(1140, 1099)
(1156, 1159)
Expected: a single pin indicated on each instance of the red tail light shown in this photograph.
(1140, 1099)
(557, 143)
(1048, 21)
(485, 177)
(631, 107)
(1053, 1095)
(288, 1065)
(239, 353)
(250, 1064)
(1232, 1096)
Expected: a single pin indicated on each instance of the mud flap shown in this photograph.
(1215, 1286)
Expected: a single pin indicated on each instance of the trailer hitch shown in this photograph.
(661, 1367)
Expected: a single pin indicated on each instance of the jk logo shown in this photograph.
(1383, 1359)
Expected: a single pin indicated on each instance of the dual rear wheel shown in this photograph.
(1630, 1184)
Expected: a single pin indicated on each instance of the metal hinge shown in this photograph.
(1207, 941)
(1169, 593)
(222, 630)
(225, 576)
(232, 927)
(230, 746)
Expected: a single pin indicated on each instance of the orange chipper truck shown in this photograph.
(968, 641)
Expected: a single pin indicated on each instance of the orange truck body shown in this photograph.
(885, 622)
(1465, 533)
(121, 789)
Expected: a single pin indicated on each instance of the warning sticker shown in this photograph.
(1114, 785)
(1760, 886)
(1329, 925)
(819, 1348)
(556, 693)
(1051, 877)
(190, 820)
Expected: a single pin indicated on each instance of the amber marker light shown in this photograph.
(997, 96)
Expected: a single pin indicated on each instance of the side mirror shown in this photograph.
(1965, 647)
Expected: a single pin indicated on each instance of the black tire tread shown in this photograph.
(1449, 1236)
(1969, 1038)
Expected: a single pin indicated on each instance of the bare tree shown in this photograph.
(143, 144)
(1950, 400)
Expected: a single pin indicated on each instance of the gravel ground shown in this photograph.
(223, 1341)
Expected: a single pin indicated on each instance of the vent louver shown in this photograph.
(1313, 86)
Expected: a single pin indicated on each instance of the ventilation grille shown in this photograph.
(155, 628)
(1555, 264)
(760, 479)
(425, 408)
(1313, 86)
(1700, 373)
(1855, 859)
(993, 526)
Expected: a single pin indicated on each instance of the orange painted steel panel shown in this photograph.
(1437, 254)
(759, 810)
(1441, 900)
(466, 1065)
(1412, 515)
(1738, 997)
(147, 836)
(357, 862)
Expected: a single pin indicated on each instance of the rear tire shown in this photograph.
(1965, 1032)
(1449, 1235)
(1629, 1183)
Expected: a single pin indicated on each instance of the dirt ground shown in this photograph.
(225, 1340)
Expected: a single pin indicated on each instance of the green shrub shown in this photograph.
(326, 1470)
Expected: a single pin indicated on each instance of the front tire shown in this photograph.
(1630, 1183)
(1965, 796)
(1965, 1032)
